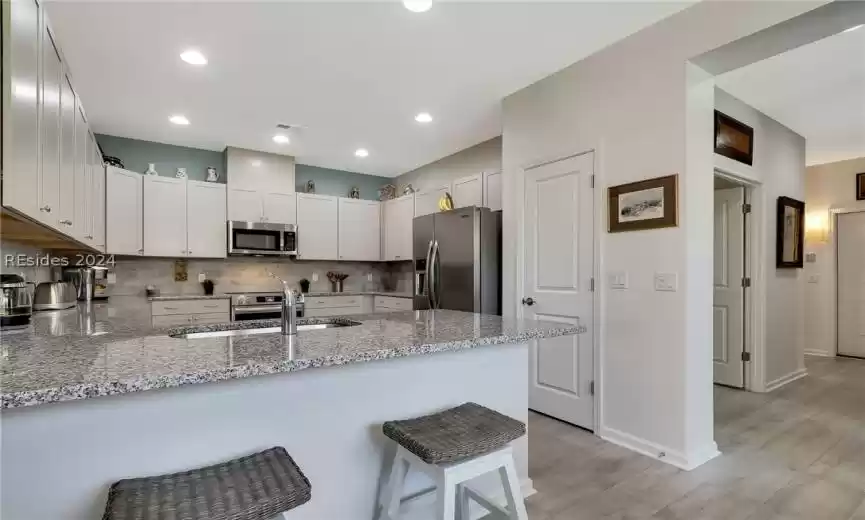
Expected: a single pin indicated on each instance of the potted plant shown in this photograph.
(208, 287)
(304, 285)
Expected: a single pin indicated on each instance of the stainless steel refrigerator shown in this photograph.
(457, 260)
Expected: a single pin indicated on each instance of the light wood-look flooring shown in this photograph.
(795, 454)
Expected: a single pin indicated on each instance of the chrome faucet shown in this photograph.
(289, 307)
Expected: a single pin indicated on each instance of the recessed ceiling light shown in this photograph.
(854, 28)
(193, 57)
(179, 120)
(417, 6)
(280, 138)
(423, 117)
(361, 152)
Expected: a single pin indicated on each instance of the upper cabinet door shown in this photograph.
(359, 230)
(52, 73)
(317, 227)
(398, 215)
(80, 225)
(21, 128)
(97, 207)
(427, 202)
(164, 216)
(468, 191)
(205, 211)
(66, 209)
(244, 205)
(123, 212)
(280, 208)
(259, 171)
(493, 190)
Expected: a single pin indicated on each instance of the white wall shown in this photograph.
(779, 167)
(483, 157)
(631, 103)
(827, 187)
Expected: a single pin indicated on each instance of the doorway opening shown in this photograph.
(850, 283)
(733, 280)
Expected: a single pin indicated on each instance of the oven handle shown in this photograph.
(260, 308)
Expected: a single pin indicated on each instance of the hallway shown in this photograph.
(797, 453)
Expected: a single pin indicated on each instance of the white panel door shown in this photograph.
(317, 227)
(728, 308)
(559, 237)
(851, 284)
(245, 205)
(205, 219)
(427, 202)
(52, 72)
(493, 190)
(164, 216)
(21, 141)
(66, 209)
(468, 191)
(124, 211)
(280, 208)
(359, 230)
(398, 215)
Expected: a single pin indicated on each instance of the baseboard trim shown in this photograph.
(785, 380)
(821, 353)
(656, 451)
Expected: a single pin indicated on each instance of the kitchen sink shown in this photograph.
(263, 330)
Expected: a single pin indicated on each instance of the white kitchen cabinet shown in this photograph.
(97, 210)
(279, 208)
(164, 216)
(244, 205)
(81, 227)
(359, 230)
(21, 34)
(468, 191)
(427, 202)
(259, 171)
(49, 180)
(493, 190)
(205, 214)
(392, 304)
(66, 207)
(397, 218)
(317, 227)
(124, 211)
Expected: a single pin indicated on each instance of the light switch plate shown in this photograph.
(314, 277)
(368, 277)
(666, 282)
(201, 277)
(811, 257)
(618, 280)
(814, 278)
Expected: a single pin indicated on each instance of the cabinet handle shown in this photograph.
(46, 209)
(189, 251)
(397, 257)
(65, 222)
(141, 250)
(170, 308)
(88, 236)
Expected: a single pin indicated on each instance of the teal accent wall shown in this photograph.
(338, 182)
(136, 154)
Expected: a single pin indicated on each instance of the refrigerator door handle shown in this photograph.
(428, 267)
(436, 260)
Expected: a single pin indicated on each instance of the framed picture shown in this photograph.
(791, 233)
(734, 139)
(860, 186)
(648, 204)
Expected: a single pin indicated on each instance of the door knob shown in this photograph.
(528, 301)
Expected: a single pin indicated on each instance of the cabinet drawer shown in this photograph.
(332, 311)
(172, 320)
(207, 319)
(393, 303)
(164, 308)
(324, 302)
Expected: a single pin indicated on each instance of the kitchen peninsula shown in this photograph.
(95, 394)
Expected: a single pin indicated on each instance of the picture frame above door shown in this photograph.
(860, 186)
(734, 139)
(790, 240)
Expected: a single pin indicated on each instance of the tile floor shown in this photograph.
(795, 454)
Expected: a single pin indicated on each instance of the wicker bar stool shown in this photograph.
(453, 447)
(261, 486)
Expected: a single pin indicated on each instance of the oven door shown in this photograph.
(252, 238)
(256, 312)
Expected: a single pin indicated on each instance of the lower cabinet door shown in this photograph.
(172, 320)
(333, 311)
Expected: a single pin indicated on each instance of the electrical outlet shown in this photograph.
(368, 277)
(667, 282)
(314, 277)
(201, 277)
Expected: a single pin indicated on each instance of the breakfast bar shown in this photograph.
(95, 394)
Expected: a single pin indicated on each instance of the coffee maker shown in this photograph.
(91, 283)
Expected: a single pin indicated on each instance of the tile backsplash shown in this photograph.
(10, 252)
(239, 274)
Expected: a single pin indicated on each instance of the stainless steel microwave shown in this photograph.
(261, 238)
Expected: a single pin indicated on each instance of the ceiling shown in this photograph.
(352, 75)
(817, 90)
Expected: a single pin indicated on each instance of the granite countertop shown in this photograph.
(176, 297)
(314, 294)
(99, 349)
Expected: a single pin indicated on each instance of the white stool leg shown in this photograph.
(511, 483)
(446, 499)
(463, 503)
(393, 492)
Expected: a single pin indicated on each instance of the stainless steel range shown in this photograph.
(259, 305)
